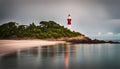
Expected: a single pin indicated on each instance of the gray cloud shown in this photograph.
(88, 16)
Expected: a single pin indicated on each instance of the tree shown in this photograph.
(46, 29)
(8, 29)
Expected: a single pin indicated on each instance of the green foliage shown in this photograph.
(8, 29)
(45, 29)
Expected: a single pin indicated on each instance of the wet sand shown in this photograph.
(7, 46)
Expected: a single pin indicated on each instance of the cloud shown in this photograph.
(88, 16)
(99, 33)
(110, 33)
(118, 34)
(105, 34)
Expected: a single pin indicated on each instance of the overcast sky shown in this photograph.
(95, 18)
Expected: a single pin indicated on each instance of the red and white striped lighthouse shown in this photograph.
(69, 21)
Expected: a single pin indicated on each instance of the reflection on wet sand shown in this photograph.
(5, 61)
(42, 53)
(66, 55)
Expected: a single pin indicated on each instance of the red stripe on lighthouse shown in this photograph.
(69, 21)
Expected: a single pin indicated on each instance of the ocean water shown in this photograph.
(73, 56)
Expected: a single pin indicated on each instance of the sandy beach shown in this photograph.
(7, 46)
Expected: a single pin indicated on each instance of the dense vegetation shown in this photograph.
(45, 29)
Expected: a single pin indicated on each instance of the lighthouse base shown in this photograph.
(69, 27)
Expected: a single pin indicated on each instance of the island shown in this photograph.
(46, 30)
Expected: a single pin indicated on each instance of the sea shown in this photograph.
(64, 56)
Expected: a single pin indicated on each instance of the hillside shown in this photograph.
(45, 30)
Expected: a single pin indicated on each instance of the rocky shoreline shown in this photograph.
(90, 41)
(78, 39)
(95, 41)
(84, 39)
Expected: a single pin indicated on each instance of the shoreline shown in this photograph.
(7, 46)
(11, 45)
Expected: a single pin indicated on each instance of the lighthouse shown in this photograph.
(69, 21)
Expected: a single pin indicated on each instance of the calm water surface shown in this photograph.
(74, 56)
